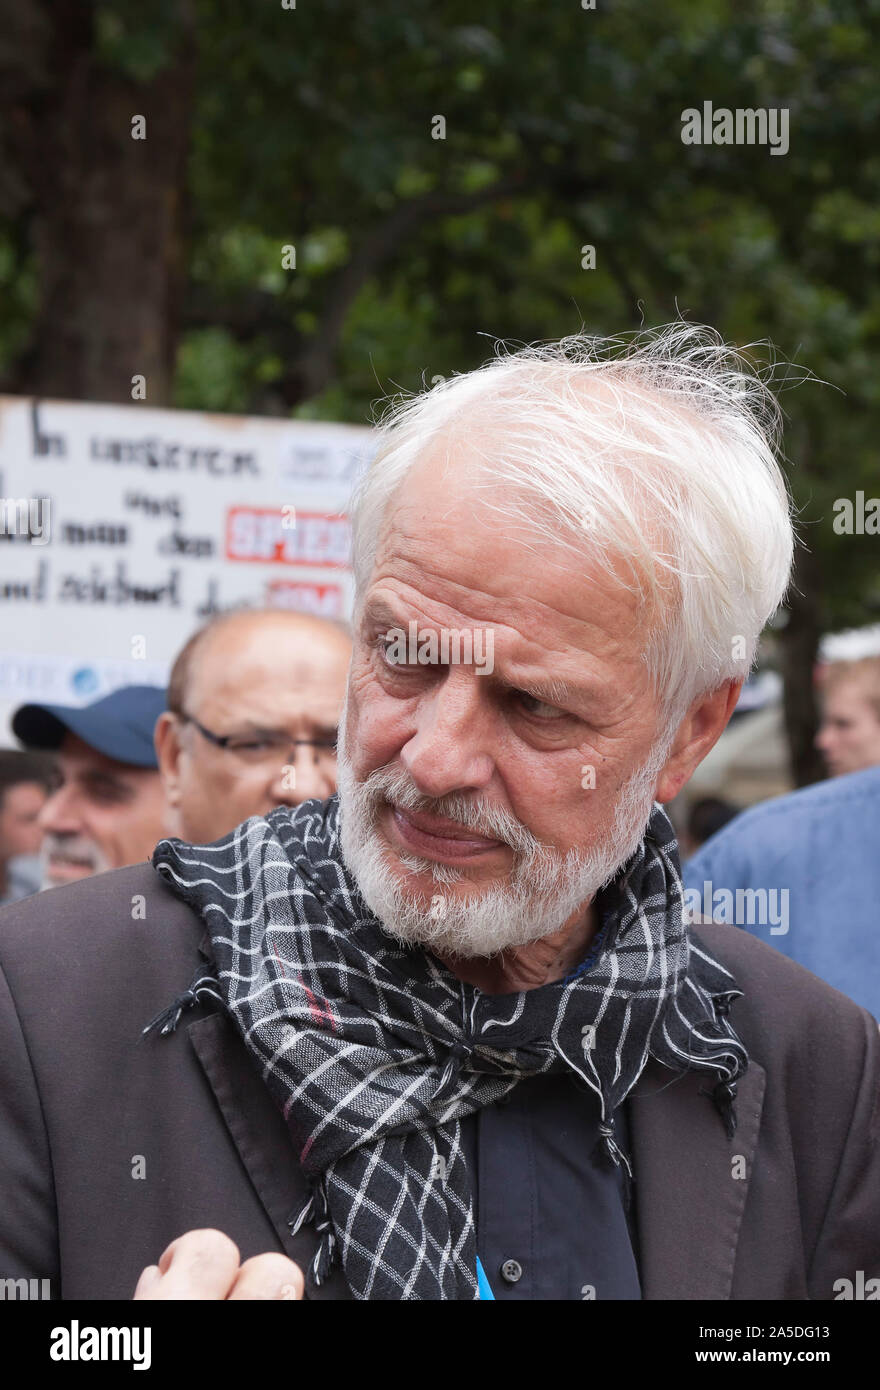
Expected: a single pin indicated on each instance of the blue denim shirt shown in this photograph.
(821, 847)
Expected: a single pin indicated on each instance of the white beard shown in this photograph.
(79, 847)
(541, 893)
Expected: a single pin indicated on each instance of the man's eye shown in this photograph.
(109, 794)
(389, 649)
(539, 709)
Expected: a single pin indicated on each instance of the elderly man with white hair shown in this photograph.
(449, 1035)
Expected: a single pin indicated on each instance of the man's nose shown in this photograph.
(303, 777)
(60, 814)
(449, 751)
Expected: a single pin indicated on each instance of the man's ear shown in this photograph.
(698, 732)
(166, 738)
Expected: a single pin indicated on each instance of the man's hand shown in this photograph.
(205, 1264)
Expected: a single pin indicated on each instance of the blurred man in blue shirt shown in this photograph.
(813, 853)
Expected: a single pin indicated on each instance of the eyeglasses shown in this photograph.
(268, 746)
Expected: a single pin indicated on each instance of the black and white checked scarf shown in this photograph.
(375, 1052)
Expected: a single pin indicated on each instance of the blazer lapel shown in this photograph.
(691, 1181)
(261, 1136)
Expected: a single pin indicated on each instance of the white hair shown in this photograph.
(657, 450)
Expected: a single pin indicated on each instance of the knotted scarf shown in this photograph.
(375, 1052)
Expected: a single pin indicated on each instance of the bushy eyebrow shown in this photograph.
(552, 692)
(378, 611)
(99, 781)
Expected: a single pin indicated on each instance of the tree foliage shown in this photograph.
(312, 128)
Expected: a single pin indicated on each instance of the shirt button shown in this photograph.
(511, 1270)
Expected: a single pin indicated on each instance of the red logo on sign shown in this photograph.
(321, 600)
(273, 535)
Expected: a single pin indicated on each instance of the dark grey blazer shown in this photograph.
(783, 1210)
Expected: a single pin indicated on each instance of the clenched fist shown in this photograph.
(205, 1264)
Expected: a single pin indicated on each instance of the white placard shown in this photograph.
(122, 528)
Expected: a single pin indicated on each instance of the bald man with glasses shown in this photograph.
(253, 706)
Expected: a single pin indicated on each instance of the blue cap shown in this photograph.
(120, 725)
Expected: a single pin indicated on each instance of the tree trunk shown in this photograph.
(798, 650)
(107, 212)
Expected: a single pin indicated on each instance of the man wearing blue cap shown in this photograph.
(108, 808)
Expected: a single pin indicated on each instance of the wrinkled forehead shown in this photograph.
(274, 665)
(456, 522)
(850, 688)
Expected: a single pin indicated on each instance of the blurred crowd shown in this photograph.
(249, 721)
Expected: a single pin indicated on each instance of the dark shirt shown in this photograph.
(550, 1211)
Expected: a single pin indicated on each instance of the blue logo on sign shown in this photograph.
(85, 680)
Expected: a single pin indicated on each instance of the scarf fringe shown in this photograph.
(724, 1092)
(450, 1074)
(608, 1149)
(723, 1097)
(609, 1146)
(166, 1020)
(316, 1212)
